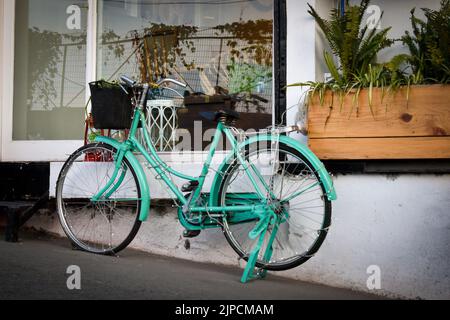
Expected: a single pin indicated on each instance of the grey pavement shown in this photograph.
(36, 268)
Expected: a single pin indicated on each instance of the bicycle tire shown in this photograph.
(244, 254)
(135, 223)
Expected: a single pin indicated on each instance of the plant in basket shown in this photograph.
(111, 114)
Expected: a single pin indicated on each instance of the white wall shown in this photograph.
(323, 7)
(399, 223)
(397, 15)
(301, 44)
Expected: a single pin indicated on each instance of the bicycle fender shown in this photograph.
(140, 174)
(304, 150)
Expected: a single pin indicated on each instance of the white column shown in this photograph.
(91, 47)
(304, 52)
(1, 73)
(301, 57)
(6, 75)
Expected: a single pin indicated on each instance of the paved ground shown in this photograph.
(36, 268)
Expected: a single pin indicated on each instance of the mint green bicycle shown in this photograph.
(271, 195)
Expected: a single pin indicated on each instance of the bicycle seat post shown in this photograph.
(143, 97)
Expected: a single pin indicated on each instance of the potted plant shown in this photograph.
(373, 110)
(429, 44)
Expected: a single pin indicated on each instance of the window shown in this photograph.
(49, 69)
(206, 44)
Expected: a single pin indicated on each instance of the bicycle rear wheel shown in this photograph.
(109, 224)
(304, 214)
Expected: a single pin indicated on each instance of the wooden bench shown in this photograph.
(18, 213)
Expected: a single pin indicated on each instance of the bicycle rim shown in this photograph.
(304, 223)
(105, 226)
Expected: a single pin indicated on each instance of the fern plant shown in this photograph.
(356, 46)
(429, 44)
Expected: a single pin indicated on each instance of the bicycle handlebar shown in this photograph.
(168, 80)
(128, 81)
(256, 98)
(133, 83)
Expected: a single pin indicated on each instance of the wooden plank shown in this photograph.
(381, 148)
(426, 113)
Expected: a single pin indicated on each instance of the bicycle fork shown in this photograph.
(112, 184)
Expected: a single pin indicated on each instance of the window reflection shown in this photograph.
(49, 70)
(207, 44)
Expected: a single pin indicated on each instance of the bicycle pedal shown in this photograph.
(190, 186)
(191, 233)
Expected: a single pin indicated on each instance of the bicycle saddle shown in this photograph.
(224, 115)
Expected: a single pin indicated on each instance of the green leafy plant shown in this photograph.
(245, 77)
(356, 46)
(429, 45)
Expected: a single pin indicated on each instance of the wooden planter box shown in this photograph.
(418, 128)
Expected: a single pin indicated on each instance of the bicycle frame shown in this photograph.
(162, 170)
(259, 208)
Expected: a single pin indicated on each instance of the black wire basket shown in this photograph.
(111, 107)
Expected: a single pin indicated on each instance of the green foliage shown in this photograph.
(355, 46)
(93, 135)
(429, 45)
(245, 77)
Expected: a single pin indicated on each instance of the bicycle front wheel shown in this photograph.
(294, 189)
(105, 225)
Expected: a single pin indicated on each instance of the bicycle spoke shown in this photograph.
(98, 226)
(294, 188)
